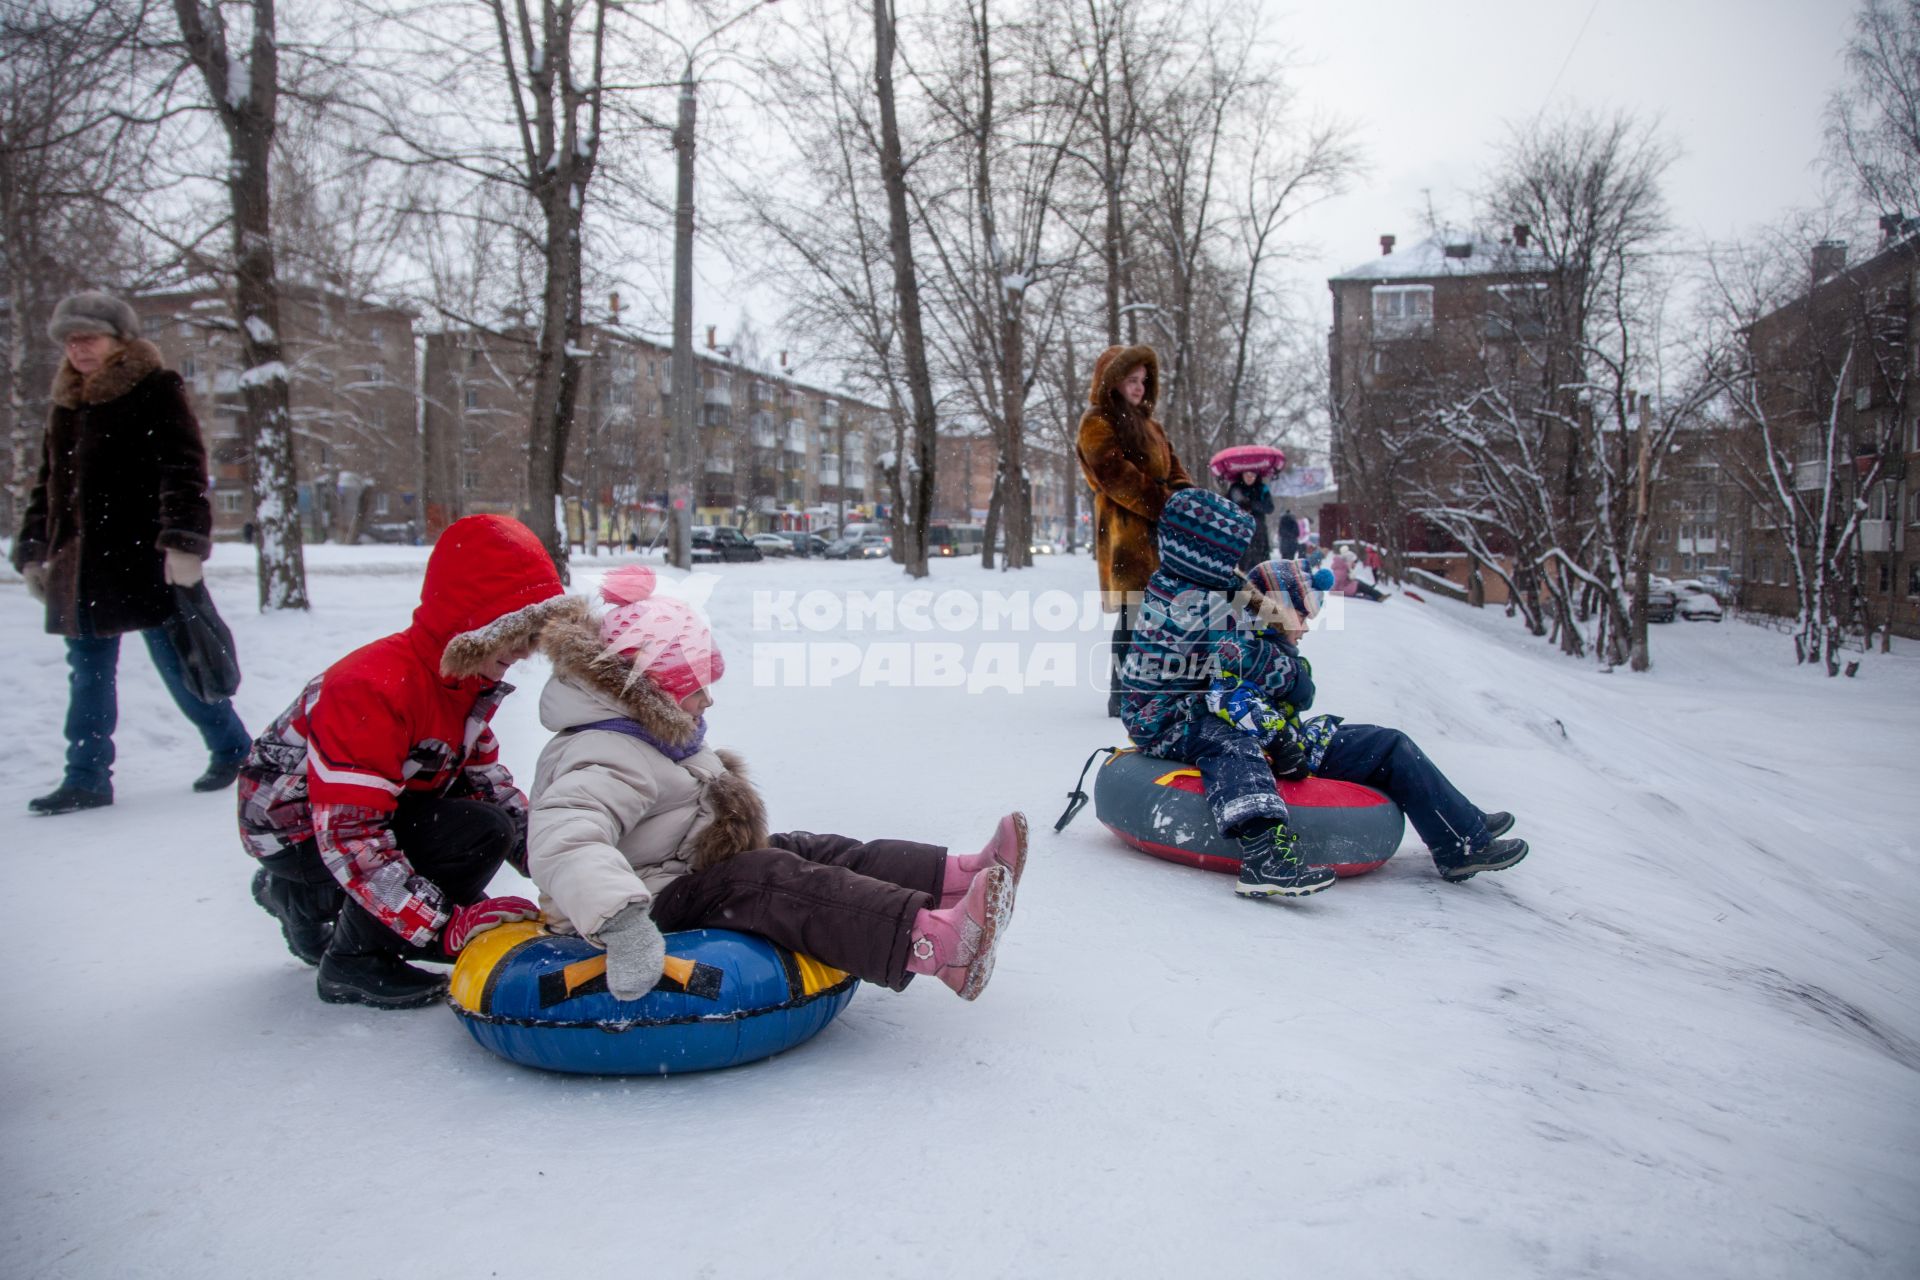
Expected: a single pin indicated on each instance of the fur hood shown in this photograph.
(124, 370)
(1112, 366)
(592, 684)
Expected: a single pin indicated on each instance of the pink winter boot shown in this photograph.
(955, 944)
(1008, 848)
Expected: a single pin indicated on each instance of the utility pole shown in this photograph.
(681, 470)
(1638, 658)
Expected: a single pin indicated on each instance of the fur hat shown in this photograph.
(663, 636)
(93, 313)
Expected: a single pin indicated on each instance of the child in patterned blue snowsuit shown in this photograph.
(1191, 688)
(1463, 840)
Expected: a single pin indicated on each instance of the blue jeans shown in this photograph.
(93, 708)
(1387, 760)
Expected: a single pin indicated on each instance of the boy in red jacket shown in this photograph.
(377, 805)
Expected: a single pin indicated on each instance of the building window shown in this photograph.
(376, 373)
(473, 397)
(1886, 577)
(1913, 580)
(1403, 311)
(374, 335)
(470, 481)
(380, 503)
(1660, 564)
(232, 502)
(1913, 507)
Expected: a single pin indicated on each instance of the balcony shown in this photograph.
(719, 394)
(1876, 535)
(1810, 475)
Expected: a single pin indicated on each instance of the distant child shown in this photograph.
(640, 826)
(1189, 694)
(376, 805)
(1463, 840)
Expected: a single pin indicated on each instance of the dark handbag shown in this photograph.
(208, 662)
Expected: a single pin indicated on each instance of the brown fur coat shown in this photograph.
(1129, 487)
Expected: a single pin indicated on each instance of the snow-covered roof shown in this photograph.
(1429, 259)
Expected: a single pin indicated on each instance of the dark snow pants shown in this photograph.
(457, 844)
(1387, 760)
(1233, 769)
(847, 903)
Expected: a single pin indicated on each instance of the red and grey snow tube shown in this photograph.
(1159, 807)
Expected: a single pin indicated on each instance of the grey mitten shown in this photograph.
(36, 576)
(635, 952)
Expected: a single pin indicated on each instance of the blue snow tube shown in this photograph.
(541, 999)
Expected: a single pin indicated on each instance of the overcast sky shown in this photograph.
(1739, 86)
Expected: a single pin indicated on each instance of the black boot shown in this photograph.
(219, 775)
(65, 799)
(305, 912)
(1271, 868)
(1497, 856)
(362, 966)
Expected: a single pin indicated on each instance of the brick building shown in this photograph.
(965, 463)
(1832, 368)
(350, 366)
(1410, 330)
(775, 453)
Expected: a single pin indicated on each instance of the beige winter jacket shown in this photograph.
(614, 819)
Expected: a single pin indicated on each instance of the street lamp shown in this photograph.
(682, 471)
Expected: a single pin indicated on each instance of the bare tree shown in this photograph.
(241, 72)
(906, 284)
(1873, 122)
(67, 153)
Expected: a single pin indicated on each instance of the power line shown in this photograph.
(1568, 60)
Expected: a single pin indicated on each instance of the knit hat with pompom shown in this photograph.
(664, 636)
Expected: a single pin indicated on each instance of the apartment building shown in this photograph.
(1832, 372)
(350, 364)
(774, 452)
(1410, 329)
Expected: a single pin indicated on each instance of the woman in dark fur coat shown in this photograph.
(1126, 457)
(118, 516)
(638, 825)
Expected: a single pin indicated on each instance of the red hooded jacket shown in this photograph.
(407, 713)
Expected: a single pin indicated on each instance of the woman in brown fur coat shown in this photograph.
(1126, 457)
(118, 516)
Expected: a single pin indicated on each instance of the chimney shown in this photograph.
(783, 359)
(1386, 245)
(1521, 234)
(1829, 257)
(710, 329)
(1892, 227)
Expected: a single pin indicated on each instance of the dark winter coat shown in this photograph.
(1129, 487)
(1256, 501)
(123, 477)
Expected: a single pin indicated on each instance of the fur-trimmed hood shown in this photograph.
(122, 371)
(1111, 367)
(605, 684)
(489, 588)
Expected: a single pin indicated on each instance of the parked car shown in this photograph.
(1704, 587)
(723, 542)
(806, 544)
(1698, 606)
(772, 544)
(874, 546)
(1661, 600)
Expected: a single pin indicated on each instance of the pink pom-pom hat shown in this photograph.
(665, 637)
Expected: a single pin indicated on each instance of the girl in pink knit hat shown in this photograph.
(639, 826)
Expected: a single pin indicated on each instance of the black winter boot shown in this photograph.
(219, 775)
(305, 912)
(1271, 868)
(362, 966)
(65, 799)
(1497, 856)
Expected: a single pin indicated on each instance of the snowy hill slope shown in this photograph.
(1683, 1038)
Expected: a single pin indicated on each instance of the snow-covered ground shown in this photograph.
(1682, 1039)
